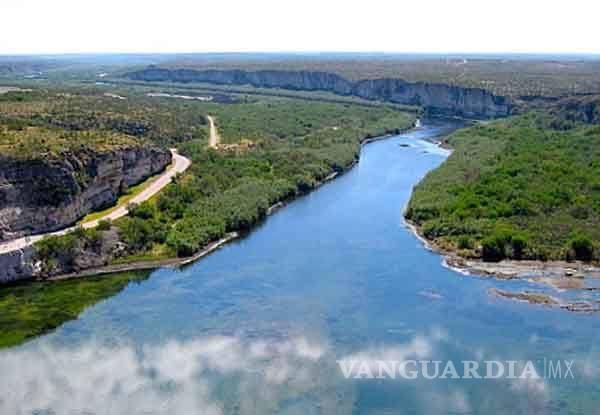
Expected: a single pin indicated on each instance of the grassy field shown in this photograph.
(522, 188)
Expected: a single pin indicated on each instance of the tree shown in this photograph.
(582, 247)
(104, 225)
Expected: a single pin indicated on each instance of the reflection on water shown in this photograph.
(174, 377)
(230, 374)
(258, 327)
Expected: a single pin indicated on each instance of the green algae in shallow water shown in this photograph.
(32, 309)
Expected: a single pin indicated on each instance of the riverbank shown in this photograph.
(148, 265)
(331, 276)
(107, 280)
(213, 246)
(493, 207)
(557, 275)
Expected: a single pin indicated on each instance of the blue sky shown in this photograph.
(72, 26)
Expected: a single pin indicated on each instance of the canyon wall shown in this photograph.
(17, 265)
(435, 97)
(584, 109)
(38, 196)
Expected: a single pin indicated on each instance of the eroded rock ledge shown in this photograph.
(437, 98)
(38, 196)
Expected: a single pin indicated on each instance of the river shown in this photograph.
(259, 326)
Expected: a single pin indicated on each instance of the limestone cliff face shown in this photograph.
(439, 98)
(39, 196)
(17, 265)
(580, 109)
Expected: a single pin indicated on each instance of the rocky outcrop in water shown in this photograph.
(38, 196)
(437, 98)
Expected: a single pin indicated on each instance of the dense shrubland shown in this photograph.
(522, 188)
(24, 142)
(77, 110)
(227, 191)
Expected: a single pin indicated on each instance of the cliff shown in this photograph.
(437, 98)
(42, 195)
(17, 265)
(584, 109)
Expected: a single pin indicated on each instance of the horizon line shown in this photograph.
(301, 53)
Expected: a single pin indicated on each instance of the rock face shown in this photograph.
(437, 98)
(38, 196)
(580, 109)
(25, 263)
(17, 265)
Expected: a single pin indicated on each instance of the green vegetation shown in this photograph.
(522, 188)
(507, 76)
(246, 93)
(275, 148)
(297, 144)
(59, 251)
(29, 143)
(28, 310)
(295, 119)
(123, 200)
(83, 110)
(104, 225)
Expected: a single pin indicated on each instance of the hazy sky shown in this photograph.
(57, 26)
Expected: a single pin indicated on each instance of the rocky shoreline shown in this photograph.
(148, 265)
(560, 276)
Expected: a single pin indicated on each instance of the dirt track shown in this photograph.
(213, 140)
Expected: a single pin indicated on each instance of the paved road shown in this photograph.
(214, 139)
(180, 165)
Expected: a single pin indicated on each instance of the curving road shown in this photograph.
(180, 164)
(213, 140)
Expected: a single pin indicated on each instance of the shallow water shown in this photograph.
(258, 326)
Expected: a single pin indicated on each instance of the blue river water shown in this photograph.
(267, 323)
